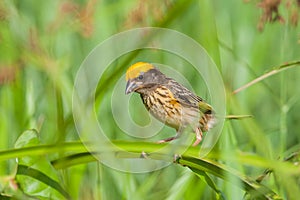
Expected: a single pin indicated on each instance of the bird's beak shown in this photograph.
(130, 87)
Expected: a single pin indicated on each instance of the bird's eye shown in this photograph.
(140, 77)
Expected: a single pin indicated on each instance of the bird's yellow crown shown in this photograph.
(134, 70)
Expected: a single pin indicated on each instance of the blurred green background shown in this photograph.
(43, 43)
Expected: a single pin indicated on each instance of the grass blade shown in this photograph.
(271, 73)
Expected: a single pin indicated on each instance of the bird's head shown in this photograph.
(140, 76)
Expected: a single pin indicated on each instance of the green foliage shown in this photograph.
(35, 174)
(42, 45)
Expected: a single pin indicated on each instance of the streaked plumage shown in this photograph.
(169, 101)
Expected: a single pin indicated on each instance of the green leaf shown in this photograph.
(256, 190)
(35, 174)
(28, 171)
(206, 178)
(189, 159)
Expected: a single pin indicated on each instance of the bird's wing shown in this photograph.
(193, 106)
(184, 95)
(187, 98)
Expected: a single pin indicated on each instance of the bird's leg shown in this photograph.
(170, 138)
(167, 139)
(198, 136)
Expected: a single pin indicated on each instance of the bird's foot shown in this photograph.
(198, 137)
(167, 140)
(176, 158)
(144, 155)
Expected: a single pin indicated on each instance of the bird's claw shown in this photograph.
(144, 155)
(176, 158)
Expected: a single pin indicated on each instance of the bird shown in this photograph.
(169, 101)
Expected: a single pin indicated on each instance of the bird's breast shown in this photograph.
(161, 103)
